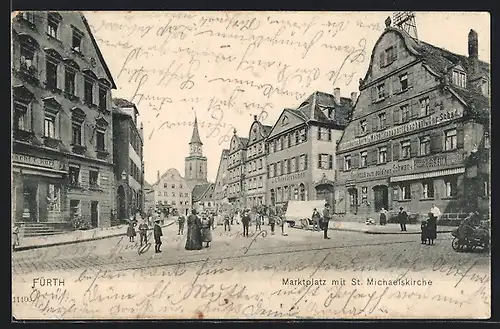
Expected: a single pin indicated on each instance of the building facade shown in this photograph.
(171, 190)
(203, 197)
(149, 197)
(62, 125)
(128, 144)
(256, 167)
(220, 185)
(236, 171)
(195, 169)
(415, 131)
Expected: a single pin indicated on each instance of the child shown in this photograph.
(15, 236)
(143, 232)
(131, 230)
(157, 235)
(423, 234)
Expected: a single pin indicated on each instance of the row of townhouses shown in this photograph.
(77, 153)
(417, 135)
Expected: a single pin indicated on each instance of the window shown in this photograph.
(74, 175)
(27, 58)
(173, 185)
(279, 146)
(22, 116)
(29, 16)
(382, 120)
(303, 135)
(49, 129)
(100, 140)
(303, 162)
(382, 154)
(428, 189)
(76, 133)
(388, 56)
(450, 140)
(53, 20)
(403, 81)
(364, 158)
(380, 91)
(51, 71)
(325, 161)
(406, 191)
(485, 88)
(362, 126)
(425, 145)
(486, 140)
(165, 185)
(173, 193)
(69, 81)
(450, 187)
(405, 113)
(94, 178)
(76, 42)
(53, 198)
(486, 188)
(102, 98)
(302, 192)
(159, 193)
(89, 92)
(347, 162)
(165, 194)
(459, 79)
(424, 106)
(180, 186)
(405, 149)
(74, 208)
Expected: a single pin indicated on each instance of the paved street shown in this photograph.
(118, 253)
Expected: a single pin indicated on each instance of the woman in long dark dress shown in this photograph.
(431, 228)
(193, 241)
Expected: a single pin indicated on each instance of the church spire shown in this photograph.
(195, 137)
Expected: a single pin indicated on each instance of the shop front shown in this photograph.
(292, 186)
(37, 192)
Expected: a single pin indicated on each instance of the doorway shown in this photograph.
(94, 213)
(381, 197)
(121, 203)
(353, 200)
(30, 209)
(325, 192)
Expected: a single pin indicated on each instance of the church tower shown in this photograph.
(195, 163)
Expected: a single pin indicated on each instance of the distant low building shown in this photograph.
(171, 191)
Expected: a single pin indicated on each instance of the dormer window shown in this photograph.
(362, 126)
(459, 78)
(76, 42)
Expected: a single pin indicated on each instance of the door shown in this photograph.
(381, 197)
(353, 200)
(325, 192)
(94, 213)
(30, 204)
(121, 203)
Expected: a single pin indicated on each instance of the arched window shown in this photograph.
(22, 98)
(28, 58)
(70, 71)
(273, 197)
(53, 22)
(52, 69)
(302, 192)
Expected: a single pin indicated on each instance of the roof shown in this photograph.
(266, 129)
(200, 190)
(195, 137)
(98, 51)
(225, 151)
(121, 102)
(478, 104)
(171, 171)
(243, 142)
(312, 108)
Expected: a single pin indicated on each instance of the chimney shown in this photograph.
(336, 95)
(354, 97)
(473, 44)
(254, 118)
(158, 175)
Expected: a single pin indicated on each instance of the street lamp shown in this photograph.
(124, 175)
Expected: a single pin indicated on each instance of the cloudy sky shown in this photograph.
(229, 66)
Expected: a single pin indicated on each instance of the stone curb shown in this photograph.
(77, 241)
(375, 232)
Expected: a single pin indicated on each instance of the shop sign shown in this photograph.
(383, 171)
(427, 122)
(289, 177)
(440, 160)
(36, 161)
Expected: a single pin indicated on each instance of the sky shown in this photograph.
(227, 67)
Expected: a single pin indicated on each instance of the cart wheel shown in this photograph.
(455, 244)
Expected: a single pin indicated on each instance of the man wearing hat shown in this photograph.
(326, 219)
(157, 232)
(246, 221)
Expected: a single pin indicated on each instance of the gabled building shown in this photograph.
(203, 197)
(236, 171)
(220, 186)
(62, 159)
(301, 148)
(256, 173)
(171, 191)
(420, 120)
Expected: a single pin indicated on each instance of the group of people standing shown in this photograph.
(143, 225)
(199, 230)
(320, 222)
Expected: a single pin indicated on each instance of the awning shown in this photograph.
(445, 172)
(34, 170)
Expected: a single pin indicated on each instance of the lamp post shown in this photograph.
(124, 175)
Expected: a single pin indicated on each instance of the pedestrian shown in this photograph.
(383, 216)
(158, 233)
(227, 222)
(272, 223)
(402, 219)
(246, 222)
(284, 225)
(143, 232)
(258, 221)
(15, 236)
(423, 232)
(435, 211)
(206, 229)
(326, 220)
(315, 219)
(131, 230)
(180, 222)
(237, 217)
(431, 228)
(193, 240)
